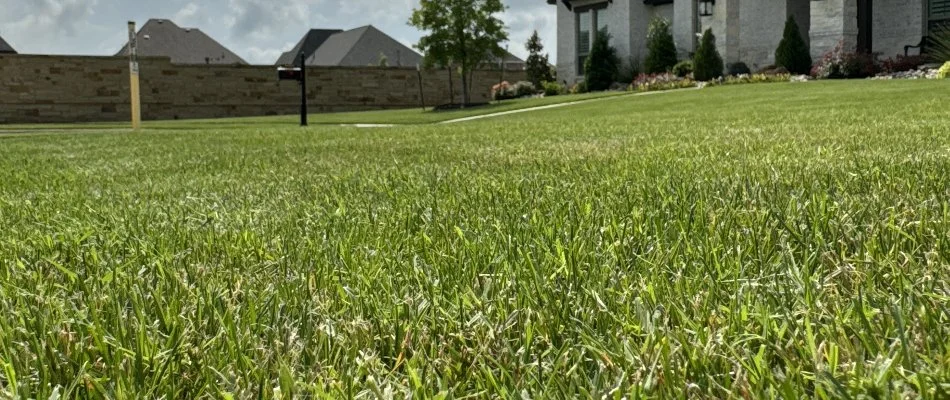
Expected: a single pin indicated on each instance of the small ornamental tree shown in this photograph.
(792, 52)
(462, 33)
(602, 64)
(707, 63)
(537, 67)
(661, 55)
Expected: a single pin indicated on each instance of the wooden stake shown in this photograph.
(134, 79)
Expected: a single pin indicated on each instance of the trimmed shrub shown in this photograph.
(578, 88)
(944, 72)
(902, 63)
(663, 81)
(773, 70)
(507, 91)
(683, 68)
(739, 68)
(602, 65)
(707, 63)
(839, 64)
(661, 56)
(552, 88)
(792, 52)
(500, 90)
(754, 78)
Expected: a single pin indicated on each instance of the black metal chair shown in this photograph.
(924, 45)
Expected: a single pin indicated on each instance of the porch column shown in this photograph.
(733, 31)
(833, 21)
(801, 11)
(685, 26)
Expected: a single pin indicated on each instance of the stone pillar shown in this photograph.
(801, 11)
(733, 31)
(566, 45)
(833, 22)
(685, 26)
(638, 21)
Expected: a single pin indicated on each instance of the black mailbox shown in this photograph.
(289, 74)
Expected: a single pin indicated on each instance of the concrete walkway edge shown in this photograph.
(559, 105)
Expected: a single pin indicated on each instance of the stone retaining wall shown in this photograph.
(40, 89)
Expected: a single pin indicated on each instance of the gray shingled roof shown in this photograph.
(5, 47)
(510, 59)
(162, 38)
(361, 47)
(309, 43)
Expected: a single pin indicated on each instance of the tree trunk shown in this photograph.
(451, 86)
(471, 83)
(465, 87)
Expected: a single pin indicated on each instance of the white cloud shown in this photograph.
(523, 21)
(258, 30)
(187, 14)
(257, 55)
(42, 26)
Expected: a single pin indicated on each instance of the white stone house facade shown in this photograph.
(746, 31)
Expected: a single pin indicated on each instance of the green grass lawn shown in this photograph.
(760, 241)
(412, 116)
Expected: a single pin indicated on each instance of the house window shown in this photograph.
(939, 11)
(590, 19)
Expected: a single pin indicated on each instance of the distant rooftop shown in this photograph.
(162, 38)
(5, 47)
(358, 47)
(309, 43)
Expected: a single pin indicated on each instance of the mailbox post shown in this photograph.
(298, 74)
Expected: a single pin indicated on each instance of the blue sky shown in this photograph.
(257, 30)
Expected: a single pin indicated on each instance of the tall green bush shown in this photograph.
(707, 63)
(602, 64)
(793, 52)
(537, 66)
(661, 56)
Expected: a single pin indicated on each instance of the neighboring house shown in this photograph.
(162, 38)
(308, 44)
(5, 47)
(358, 47)
(510, 61)
(746, 31)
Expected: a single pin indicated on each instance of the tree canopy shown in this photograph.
(462, 33)
(538, 67)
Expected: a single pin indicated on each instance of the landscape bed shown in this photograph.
(762, 241)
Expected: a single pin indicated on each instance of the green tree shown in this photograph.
(463, 33)
(602, 64)
(707, 63)
(793, 52)
(538, 68)
(662, 50)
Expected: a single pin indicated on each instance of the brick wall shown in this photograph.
(80, 89)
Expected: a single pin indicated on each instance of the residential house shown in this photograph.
(308, 44)
(746, 31)
(5, 47)
(510, 61)
(162, 38)
(358, 47)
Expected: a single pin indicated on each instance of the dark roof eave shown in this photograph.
(647, 2)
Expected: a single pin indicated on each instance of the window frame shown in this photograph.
(593, 10)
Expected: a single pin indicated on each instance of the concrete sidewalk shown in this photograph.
(547, 107)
